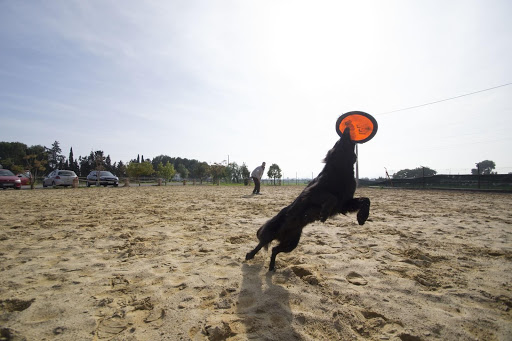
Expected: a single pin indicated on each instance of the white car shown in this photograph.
(60, 178)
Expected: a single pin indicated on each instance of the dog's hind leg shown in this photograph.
(267, 233)
(251, 254)
(291, 243)
(362, 205)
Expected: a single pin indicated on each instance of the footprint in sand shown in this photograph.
(306, 274)
(356, 279)
(15, 304)
(155, 315)
(10, 334)
(109, 327)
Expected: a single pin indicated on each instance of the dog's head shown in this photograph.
(342, 155)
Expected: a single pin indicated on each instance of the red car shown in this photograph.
(25, 178)
(8, 179)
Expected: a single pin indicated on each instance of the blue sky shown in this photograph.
(260, 81)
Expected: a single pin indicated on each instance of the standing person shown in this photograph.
(256, 175)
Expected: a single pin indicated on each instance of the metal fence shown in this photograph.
(496, 182)
(483, 182)
(285, 182)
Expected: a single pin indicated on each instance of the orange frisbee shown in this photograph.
(363, 126)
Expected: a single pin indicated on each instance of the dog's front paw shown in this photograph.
(364, 210)
(363, 214)
(249, 256)
(361, 219)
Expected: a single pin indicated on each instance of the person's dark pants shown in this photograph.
(256, 185)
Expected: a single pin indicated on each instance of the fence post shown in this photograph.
(357, 166)
(423, 177)
(478, 170)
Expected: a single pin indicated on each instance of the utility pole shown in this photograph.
(423, 170)
(357, 166)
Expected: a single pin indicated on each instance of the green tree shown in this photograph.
(193, 168)
(108, 164)
(202, 171)
(233, 172)
(217, 171)
(274, 172)
(35, 162)
(166, 172)
(72, 164)
(95, 161)
(418, 172)
(146, 168)
(136, 170)
(162, 159)
(120, 169)
(182, 170)
(99, 161)
(86, 164)
(12, 155)
(244, 171)
(485, 167)
(54, 156)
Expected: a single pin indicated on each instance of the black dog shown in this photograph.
(330, 193)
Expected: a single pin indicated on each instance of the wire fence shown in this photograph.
(456, 171)
(285, 182)
(497, 182)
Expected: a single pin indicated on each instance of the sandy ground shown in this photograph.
(167, 263)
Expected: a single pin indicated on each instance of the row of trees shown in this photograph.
(40, 160)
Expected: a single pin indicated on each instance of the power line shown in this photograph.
(444, 100)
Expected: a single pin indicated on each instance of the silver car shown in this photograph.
(106, 179)
(60, 178)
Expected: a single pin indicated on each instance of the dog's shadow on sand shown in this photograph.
(263, 306)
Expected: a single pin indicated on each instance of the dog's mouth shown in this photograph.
(346, 135)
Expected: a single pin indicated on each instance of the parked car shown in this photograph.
(24, 177)
(9, 180)
(60, 178)
(106, 178)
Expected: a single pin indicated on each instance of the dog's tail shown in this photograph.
(258, 234)
(268, 231)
